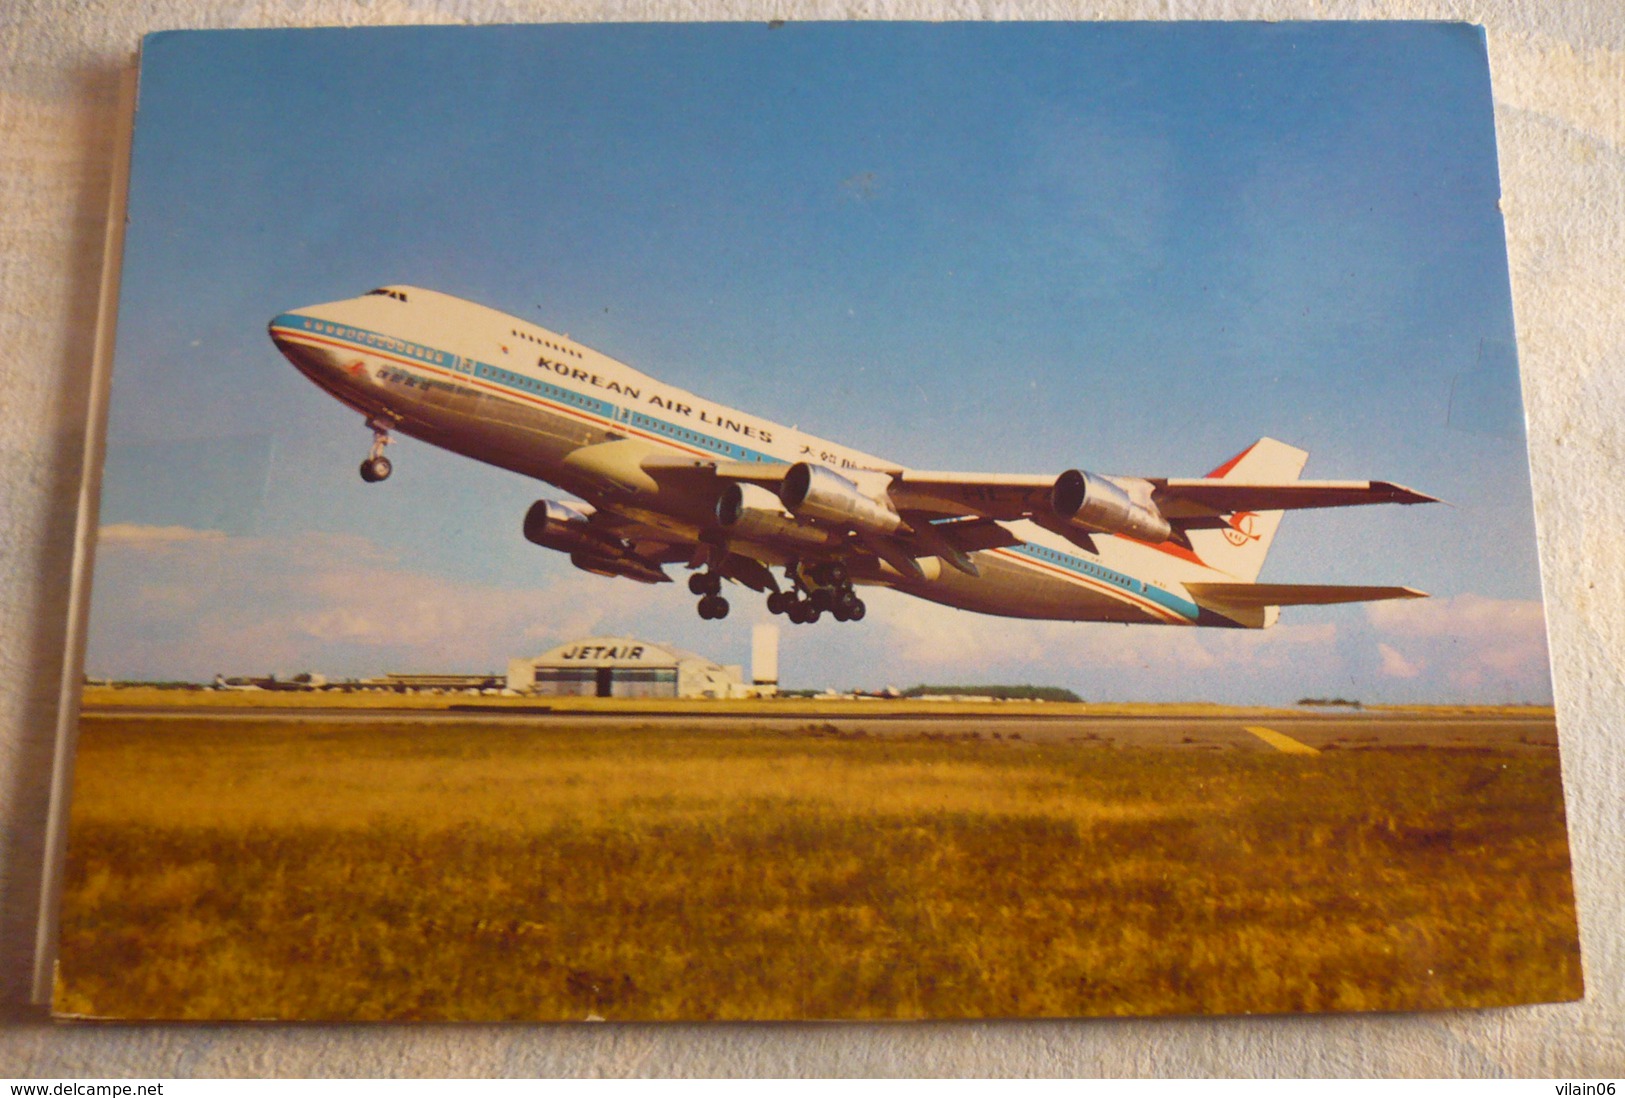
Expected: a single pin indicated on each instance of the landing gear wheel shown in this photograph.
(704, 583)
(780, 601)
(798, 613)
(856, 611)
(377, 466)
(713, 608)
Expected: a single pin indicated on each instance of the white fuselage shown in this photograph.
(501, 390)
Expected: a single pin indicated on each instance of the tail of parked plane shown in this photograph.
(1239, 548)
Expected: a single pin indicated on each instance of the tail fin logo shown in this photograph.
(1240, 529)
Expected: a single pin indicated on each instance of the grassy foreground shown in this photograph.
(493, 872)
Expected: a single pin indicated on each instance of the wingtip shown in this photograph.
(1401, 494)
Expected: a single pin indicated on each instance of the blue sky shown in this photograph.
(1012, 247)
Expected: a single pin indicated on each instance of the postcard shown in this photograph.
(814, 521)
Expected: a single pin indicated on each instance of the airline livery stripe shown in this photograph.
(476, 382)
(349, 337)
(1138, 602)
(1095, 585)
(596, 419)
(1120, 582)
(1168, 547)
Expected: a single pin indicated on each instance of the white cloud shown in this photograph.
(1461, 615)
(173, 603)
(931, 636)
(1394, 663)
(1475, 645)
(139, 536)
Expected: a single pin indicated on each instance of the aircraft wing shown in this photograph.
(1211, 496)
(957, 495)
(645, 550)
(980, 495)
(1249, 595)
(954, 514)
(765, 473)
(1016, 495)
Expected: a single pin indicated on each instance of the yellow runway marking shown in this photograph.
(1281, 742)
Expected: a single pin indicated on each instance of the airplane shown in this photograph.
(664, 477)
(303, 681)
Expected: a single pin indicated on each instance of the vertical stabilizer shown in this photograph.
(1239, 549)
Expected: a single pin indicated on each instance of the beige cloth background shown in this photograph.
(1559, 72)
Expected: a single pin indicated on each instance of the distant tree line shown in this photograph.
(1011, 693)
(159, 684)
(1345, 703)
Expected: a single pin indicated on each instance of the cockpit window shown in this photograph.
(396, 294)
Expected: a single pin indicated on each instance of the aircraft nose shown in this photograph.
(316, 358)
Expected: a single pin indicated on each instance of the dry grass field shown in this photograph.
(108, 698)
(493, 871)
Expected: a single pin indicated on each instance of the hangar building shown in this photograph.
(624, 667)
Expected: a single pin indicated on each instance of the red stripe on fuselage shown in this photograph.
(575, 413)
(1136, 601)
(1173, 549)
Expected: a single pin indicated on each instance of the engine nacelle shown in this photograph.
(819, 492)
(561, 526)
(1095, 503)
(564, 527)
(749, 511)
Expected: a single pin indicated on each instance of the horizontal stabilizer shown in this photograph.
(1247, 595)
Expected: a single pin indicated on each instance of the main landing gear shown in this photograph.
(708, 585)
(815, 591)
(377, 466)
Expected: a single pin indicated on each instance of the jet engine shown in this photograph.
(1092, 502)
(566, 528)
(749, 511)
(561, 526)
(819, 492)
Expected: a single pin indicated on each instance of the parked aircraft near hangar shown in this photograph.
(666, 477)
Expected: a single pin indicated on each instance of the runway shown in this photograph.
(1241, 731)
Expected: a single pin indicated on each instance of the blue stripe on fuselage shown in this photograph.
(1182, 607)
(504, 378)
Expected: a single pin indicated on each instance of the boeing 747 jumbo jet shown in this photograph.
(669, 478)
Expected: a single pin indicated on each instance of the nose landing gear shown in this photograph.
(377, 467)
